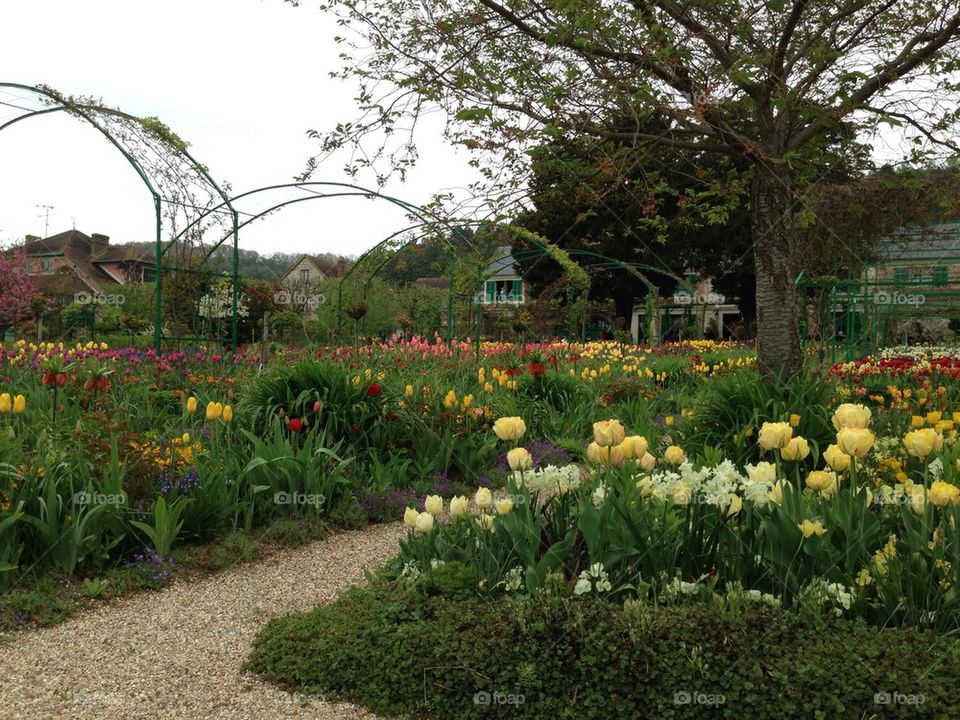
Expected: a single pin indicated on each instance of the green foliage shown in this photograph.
(734, 403)
(400, 653)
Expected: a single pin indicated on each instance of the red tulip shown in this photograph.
(294, 425)
(374, 390)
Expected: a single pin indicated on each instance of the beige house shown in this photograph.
(301, 287)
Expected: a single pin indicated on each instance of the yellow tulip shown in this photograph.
(504, 507)
(458, 506)
(484, 498)
(509, 428)
(942, 493)
(191, 405)
(410, 517)
(922, 442)
(674, 455)
(634, 446)
(850, 415)
(809, 528)
(608, 432)
(519, 459)
(5, 405)
(822, 481)
(19, 404)
(227, 414)
(795, 450)
(916, 422)
(933, 417)
(855, 441)
(836, 458)
(774, 435)
(408, 391)
(794, 420)
(214, 410)
(433, 504)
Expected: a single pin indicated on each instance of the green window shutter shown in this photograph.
(491, 289)
(517, 289)
(940, 275)
(900, 275)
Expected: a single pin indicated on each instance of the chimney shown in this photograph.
(32, 238)
(98, 244)
(341, 267)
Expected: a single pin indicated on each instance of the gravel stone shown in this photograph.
(176, 654)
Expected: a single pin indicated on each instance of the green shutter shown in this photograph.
(491, 289)
(517, 290)
(940, 275)
(900, 276)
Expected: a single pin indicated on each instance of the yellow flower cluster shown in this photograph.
(15, 405)
(178, 454)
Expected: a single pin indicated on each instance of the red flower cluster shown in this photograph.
(55, 379)
(537, 369)
(96, 384)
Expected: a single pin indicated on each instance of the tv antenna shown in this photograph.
(46, 219)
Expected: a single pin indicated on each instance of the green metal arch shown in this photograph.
(64, 105)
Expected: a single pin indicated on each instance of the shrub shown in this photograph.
(399, 652)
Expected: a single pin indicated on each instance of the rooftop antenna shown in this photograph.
(46, 219)
(74, 221)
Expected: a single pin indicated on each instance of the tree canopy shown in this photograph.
(759, 81)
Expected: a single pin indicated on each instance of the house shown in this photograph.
(708, 311)
(502, 283)
(72, 262)
(300, 287)
(917, 258)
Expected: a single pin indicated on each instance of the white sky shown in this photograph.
(240, 80)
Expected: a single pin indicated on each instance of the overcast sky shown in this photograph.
(241, 80)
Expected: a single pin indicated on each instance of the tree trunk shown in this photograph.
(771, 211)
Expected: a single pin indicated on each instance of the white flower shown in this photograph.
(582, 587)
(936, 469)
(513, 581)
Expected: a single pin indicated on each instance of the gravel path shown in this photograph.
(176, 654)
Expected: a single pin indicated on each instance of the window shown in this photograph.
(46, 266)
(305, 275)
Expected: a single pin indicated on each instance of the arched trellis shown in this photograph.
(341, 190)
(181, 188)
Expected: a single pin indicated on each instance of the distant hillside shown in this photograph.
(254, 264)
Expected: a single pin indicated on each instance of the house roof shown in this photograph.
(74, 246)
(326, 267)
(931, 243)
(502, 264)
(128, 252)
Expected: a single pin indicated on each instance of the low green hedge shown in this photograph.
(400, 653)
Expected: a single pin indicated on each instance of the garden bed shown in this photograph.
(398, 650)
